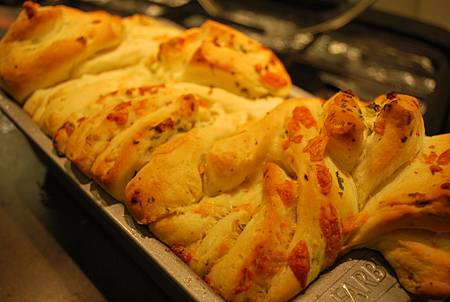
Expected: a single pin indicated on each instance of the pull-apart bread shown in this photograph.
(192, 131)
(44, 45)
(48, 45)
(216, 55)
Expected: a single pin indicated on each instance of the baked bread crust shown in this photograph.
(420, 259)
(217, 55)
(183, 157)
(132, 148)
(44, 44)
(409, 221)
(50, 108)
(142, 36)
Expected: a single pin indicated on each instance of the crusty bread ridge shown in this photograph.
(217, 55)
(45, 43)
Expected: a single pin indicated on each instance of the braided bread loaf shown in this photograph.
(256, 193)
(276, 203)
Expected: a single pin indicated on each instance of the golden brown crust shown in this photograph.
(417, 198)
(261, 250)
(99, 122)
(44, 44)
(409, 221)
(132, 148)
(52, 107)
(150, 194)
(217, 55)
(396, 137)
(231, 160)
(345, 127)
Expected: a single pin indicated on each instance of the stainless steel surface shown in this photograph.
(360, 276)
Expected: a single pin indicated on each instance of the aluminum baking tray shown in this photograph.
(362, 275)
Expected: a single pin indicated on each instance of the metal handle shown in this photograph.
(214, 9)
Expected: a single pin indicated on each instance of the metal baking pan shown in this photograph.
(362, 275)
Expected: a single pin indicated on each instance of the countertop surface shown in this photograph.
(50, 248)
